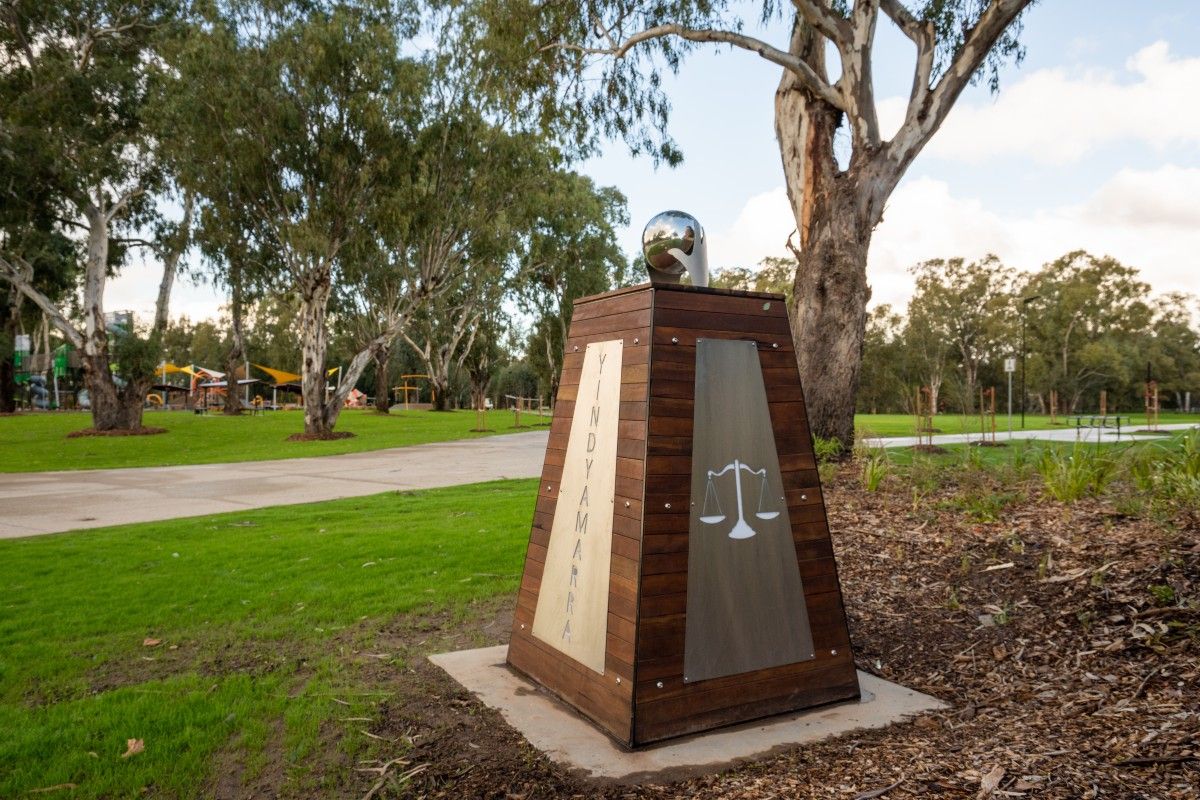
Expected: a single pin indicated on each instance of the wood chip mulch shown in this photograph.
(1065, 638)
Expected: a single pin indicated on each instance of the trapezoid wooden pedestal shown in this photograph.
(680, 574)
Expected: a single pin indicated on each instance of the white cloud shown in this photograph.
(1146, 219)
(1058, 116)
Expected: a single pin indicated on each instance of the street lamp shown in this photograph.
(1025, 301)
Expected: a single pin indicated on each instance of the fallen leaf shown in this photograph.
(134, 746)
(148, 642)
(990, 782)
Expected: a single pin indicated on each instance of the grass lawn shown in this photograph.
(1018, 453)
(228, 639)
(34, 442)
(905, 424)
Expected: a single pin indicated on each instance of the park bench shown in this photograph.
(1100, 422)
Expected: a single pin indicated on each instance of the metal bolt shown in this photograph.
(667, 505)
(575, 349)
(522, 626)
(550, 488)
(803, 497)
(618, 680)
(766, 306)
(635, 341)
(674, 340)
(833, 652)
(774, 345)
(659, 684)
(627, 504)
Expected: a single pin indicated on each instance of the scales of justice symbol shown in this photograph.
(741, 528)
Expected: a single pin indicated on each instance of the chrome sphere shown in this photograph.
(673, 242)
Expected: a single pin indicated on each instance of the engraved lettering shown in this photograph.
(591, 442)
(583, 501)
(570, 602)
(567, 631)
(578, 551)
(595, 416)
(574, 576)
(588, 474)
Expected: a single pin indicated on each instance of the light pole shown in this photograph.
(1025, 301)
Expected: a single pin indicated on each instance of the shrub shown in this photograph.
(826, 450)
(1081, 472)
(875, 467)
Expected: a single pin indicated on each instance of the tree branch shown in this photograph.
(909, 25)
(20, 275)
(171, 265)
(828, 23)
(811, 79)
(928, 107)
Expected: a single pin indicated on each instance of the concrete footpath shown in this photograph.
(50, 502)
(1106, 435)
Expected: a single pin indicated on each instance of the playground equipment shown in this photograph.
(403, 391)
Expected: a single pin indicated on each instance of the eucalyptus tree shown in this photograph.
(1083, 313)
(78, 76)
(473, 185)
(595, 69)
(966, 306)
(313, 109)
(570, 250)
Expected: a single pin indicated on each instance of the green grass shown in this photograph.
(905, 424)
(253, 610)
(38, 441)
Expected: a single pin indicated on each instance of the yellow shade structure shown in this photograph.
(278, 375)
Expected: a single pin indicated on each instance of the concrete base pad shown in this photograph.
(569, 739)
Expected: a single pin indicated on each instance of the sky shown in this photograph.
(1093, 143)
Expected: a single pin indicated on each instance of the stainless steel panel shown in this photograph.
(745, 601)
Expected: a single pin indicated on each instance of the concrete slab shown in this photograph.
(49, 502)
(569, 739)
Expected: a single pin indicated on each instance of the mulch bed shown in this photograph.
(143, 431)
(320, 437)
(1068, 677)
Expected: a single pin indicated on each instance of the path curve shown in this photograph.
(35, 503)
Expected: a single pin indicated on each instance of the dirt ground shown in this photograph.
(1066, 639)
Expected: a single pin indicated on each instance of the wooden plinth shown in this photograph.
(641, 696)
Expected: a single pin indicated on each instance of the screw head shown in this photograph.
(635, 341)
(803, 497)
(618, 680)
(575, 349)
(774, 345)
(627, 504)
(666, 505)
(659, 684)
(833, 652)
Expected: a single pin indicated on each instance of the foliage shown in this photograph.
(875, 468)
(773, 274)
(1081, 472)
(826, 450)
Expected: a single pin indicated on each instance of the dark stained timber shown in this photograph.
(697, 637)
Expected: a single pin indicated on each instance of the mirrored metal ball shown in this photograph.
(673, 242)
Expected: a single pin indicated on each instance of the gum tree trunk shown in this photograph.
(829, 310)
(8, 339)
(315, 288)
(383, 401)
(237, 351)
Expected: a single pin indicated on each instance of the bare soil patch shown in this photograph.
(320, 437)
(143, 431)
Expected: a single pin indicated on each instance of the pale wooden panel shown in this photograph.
(572, 606)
